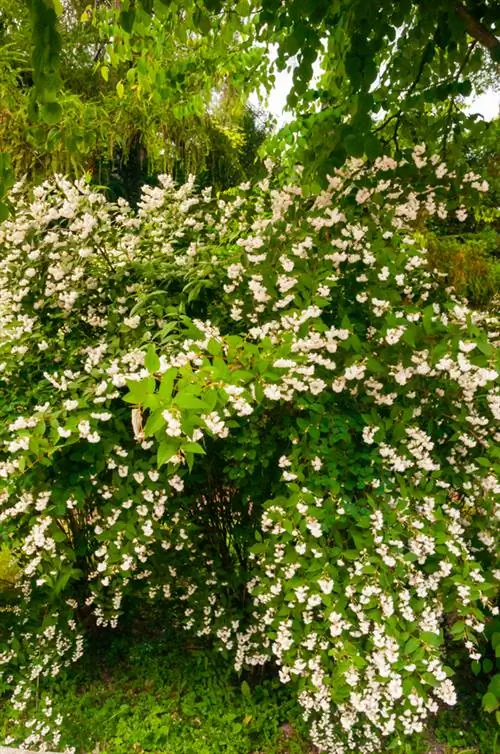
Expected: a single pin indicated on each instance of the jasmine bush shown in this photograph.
(264, 408)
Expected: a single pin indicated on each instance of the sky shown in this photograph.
(487, 105)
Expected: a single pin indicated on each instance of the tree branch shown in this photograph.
(451, 105)
(398, 116)
(479, 31)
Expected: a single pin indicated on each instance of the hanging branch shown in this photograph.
(398, 116)
(452, 98)
(479, 31)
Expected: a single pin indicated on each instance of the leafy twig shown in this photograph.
(452, 98)
(398, 116)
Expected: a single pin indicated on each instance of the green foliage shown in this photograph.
(394, 74)
(489, 668)
(467, 248)
(471, 264)
(123, 106)
(144, 690)
(45, 58)
(133, 92)
(159, 694)
(6, 182)
(9, 571)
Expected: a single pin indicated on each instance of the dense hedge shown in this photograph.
(263, 408)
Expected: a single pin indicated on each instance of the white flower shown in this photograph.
(466, 347)
(83, 427)
(173, 425)
(368, 434)
(362, 195)
(326, 585)
(132, 322)
(355, 372)
(393, 334)
(272, 392)
(215, 424)
(446, 692)
(314, 527)
(395, 689)
(176, 482)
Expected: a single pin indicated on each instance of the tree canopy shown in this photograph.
(87, 87)
(391, 57)
(117, 101)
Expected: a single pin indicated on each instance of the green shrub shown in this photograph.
(9, 570)
(471, 264)
(264, 409)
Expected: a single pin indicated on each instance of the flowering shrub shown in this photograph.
(264, 408)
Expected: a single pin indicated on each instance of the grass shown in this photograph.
(161, 696)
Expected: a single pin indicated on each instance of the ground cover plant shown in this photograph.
(264, 409)
(148, 689)
(164, 693)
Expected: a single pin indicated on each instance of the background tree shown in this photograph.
(125, 101)
(382, 63)
(382, 69)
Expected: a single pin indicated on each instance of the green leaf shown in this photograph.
(51, 112)
(167, 383)
(193, 447)
(165, 451)
(355, 145)
(458, 628)
(487, 665)
(494, 685)
(151, 362)
(188, 400)
(427, 319)
(127, 18)
(64, 578)
(475, 667)
(435, 640)
(214, 348)
(375, 366)
(139, 390)
(120, 89)
(373, 147)
(486, 348)
(489, 702)
(483, 462)
(411, 645)
(105, 72)
(154, 423)
(204, 23)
